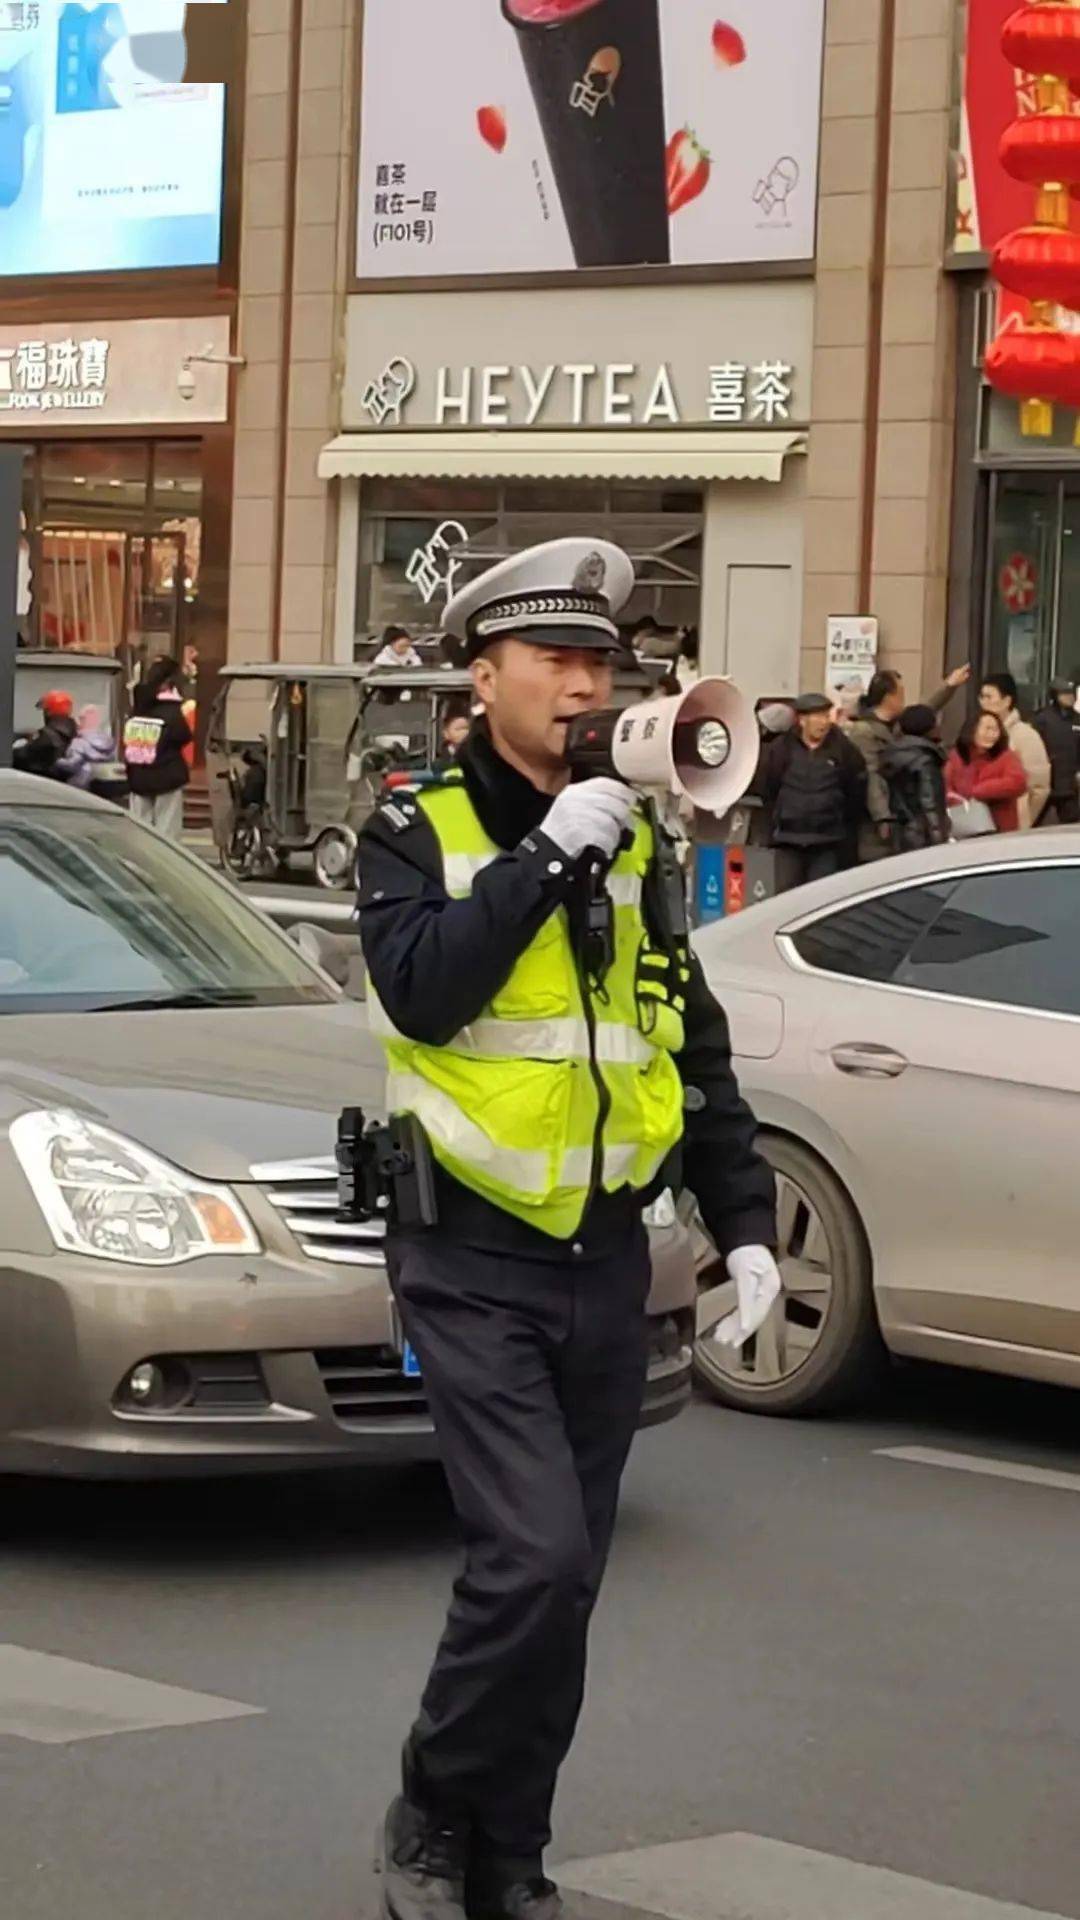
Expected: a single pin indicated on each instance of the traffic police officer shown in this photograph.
(553, 1086)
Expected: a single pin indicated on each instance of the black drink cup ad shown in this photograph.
(596, 74)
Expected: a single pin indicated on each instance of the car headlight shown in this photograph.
(106, 1196)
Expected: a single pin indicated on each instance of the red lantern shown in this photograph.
(1042, 264)
(1043, 150)
(1044, 40)
(1037, 366)
(1042, 146)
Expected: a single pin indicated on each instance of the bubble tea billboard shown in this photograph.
(543, 136)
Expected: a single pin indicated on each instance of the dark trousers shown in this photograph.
(534, 1372)
(799, 865)
(1063, 811)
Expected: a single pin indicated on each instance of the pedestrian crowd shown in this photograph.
(842, 782)
(151, 766)
(845, 785)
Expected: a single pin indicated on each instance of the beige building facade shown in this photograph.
(530, 415)
(294, 256)
(755, 531)
(880, 471)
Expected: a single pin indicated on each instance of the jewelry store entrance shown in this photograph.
(114, 532)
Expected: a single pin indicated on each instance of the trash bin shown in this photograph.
(727, 879)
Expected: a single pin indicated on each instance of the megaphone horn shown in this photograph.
(703, 744)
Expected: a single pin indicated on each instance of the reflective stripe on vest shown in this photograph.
(447, 1127)
(533, 1039)
(625, 889)
(461, 869)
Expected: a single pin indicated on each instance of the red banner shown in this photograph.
(989, 204)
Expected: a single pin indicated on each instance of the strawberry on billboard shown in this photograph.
(540, 136)
(988, 203)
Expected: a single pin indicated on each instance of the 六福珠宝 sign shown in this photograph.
(45, 376)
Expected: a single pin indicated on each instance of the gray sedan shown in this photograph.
(178, 1294)
(909, 1035)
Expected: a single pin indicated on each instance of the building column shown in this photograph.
(914, 472)
(880, 467)
(348, 560)
(293, 274)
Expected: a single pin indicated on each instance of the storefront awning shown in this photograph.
(687, 455)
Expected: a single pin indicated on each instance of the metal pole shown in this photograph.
(11, 469)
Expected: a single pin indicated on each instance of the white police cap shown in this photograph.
(566, 593)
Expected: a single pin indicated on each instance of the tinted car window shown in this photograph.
(869, 941)
(96, 913)
(1009, 937)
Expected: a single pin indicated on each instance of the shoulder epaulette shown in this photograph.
(398, 801)
(399, 809)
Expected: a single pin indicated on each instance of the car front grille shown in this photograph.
(306, 1196)
(366, 1383)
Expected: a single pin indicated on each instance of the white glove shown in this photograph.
(595, 814)
(759, 1286)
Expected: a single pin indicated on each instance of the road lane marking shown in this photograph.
(744, 1876)
(52, 1700)
(979, 1463)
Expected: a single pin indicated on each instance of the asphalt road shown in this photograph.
(842, 1680)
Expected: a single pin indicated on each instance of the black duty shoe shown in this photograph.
(525, 1900)
(422, 1866)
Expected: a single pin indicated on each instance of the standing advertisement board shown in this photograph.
(543, 136)
(851, 655)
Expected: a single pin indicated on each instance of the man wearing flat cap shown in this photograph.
(814, 786)
(557, 1080)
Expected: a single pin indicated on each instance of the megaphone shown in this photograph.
(703, 744)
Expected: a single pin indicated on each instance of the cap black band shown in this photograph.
(540, 610)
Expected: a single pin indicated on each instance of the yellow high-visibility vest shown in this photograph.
(556, 1089)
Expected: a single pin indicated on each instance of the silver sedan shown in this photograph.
(909, 1035)
(177, 1291)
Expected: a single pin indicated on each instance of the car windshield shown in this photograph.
(97, 914)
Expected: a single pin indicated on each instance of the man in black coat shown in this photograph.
(530, 1332)
(914, 767)
(815, 787)
(1059, 726)
(42, 751)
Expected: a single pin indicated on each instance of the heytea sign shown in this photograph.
(580, 393)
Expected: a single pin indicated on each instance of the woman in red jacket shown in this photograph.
(982, 766)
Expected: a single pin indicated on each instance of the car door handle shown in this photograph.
(868, 1062)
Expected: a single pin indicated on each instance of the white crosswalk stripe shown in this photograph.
(1054, 1477)
(52, 1700)
(744, 1876)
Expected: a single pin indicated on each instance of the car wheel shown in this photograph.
(821, 1347)
(335, 857)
